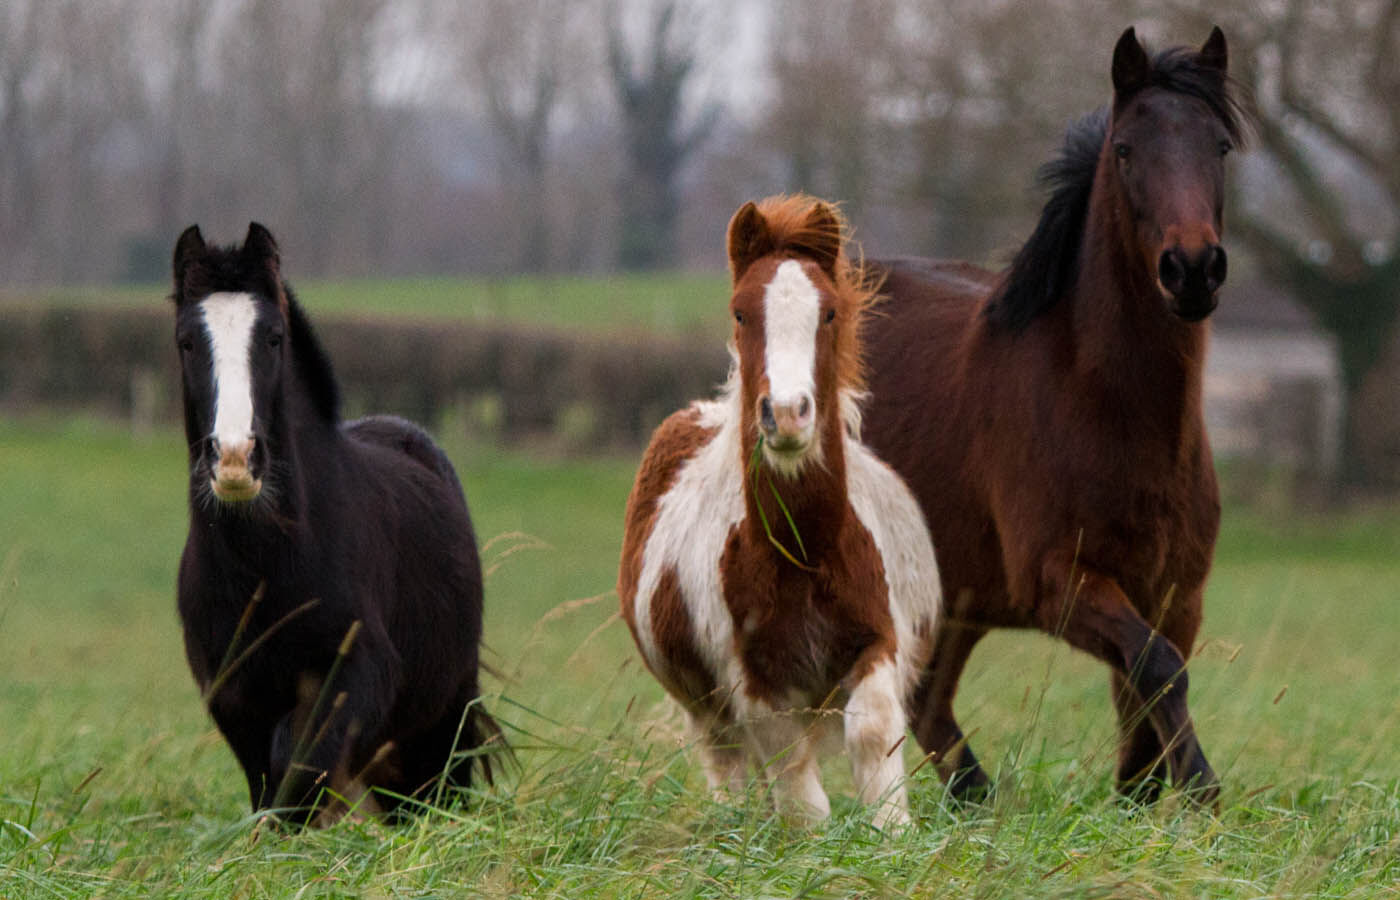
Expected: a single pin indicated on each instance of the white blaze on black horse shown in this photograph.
(770, 562)
(1057, 445)
(330, 587)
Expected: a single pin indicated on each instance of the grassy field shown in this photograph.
(114, 783)
(666, 303)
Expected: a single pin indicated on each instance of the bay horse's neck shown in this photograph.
(815, 500)
(1125, 342)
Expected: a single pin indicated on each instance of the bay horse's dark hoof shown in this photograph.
(970, 786)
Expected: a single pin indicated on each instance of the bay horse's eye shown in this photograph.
(1123, 151)
(1225, 146)
(738, 317)
(830, 314)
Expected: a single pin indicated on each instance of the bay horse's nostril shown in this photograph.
(1215, 267)
(1171, 270)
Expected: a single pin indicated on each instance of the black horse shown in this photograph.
(330, 587)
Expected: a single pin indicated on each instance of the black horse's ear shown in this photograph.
(1131, 67)
(1214, 53)
(821, 237)
(750, 238)
(259, 244)
(189, 246)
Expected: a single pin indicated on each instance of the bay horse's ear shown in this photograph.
(189, 245)
(821, 237)
(1131, 67)
(260, 245)
(1214, 53)
(750, 239)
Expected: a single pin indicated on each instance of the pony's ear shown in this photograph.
(1214, 53)
(821, 237)
(189, 246)
(1131, 67)
(750, 239)
(260, 245)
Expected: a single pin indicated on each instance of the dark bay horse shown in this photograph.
(1058, 450)
(770, 562)
(330, 587)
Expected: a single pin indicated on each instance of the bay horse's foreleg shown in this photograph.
(875, 728)
(1142, 765)
(1090, 611)
(934, 726)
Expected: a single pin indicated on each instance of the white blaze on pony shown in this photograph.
(760, 584)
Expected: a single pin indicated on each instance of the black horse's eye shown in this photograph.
(1122, 151)
(738, 317)
(830, 314)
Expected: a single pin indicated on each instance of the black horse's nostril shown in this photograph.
(1171, 270)
(765, 414)
(1215, 267)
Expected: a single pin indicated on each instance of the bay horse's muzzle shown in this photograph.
(233, 480)
(1192, 278)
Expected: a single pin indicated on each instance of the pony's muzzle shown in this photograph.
(233, 480)
(1191, 279)
(787, 425)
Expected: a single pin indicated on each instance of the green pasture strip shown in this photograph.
(664, 303)
(113, 782)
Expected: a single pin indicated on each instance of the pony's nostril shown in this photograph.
(1171, 272)
(1216, 267)
(804, 406)
(765, 414)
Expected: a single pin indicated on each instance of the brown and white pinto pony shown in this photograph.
(753, 612)
(1049, 417)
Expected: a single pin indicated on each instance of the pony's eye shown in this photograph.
(738, 317)
(1225, 147)
(830, 314)
(1122, 151)
(186, 345)
(274, 341)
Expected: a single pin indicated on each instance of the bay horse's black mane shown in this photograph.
(1045, 266)
(230, 268)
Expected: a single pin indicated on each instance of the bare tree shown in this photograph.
(649, 83)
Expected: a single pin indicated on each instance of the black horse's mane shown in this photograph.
(1045, 266)
(229, 269)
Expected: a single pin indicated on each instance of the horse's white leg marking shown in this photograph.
(788, 755)
(228, 320)
(874, 725)
(722, 756)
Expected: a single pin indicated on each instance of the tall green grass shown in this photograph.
(114, 783)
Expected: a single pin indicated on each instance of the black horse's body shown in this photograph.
(360, 522)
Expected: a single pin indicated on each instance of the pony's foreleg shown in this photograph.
(786, 750)
(1090, 611)
(875, 729)
(723, 757)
